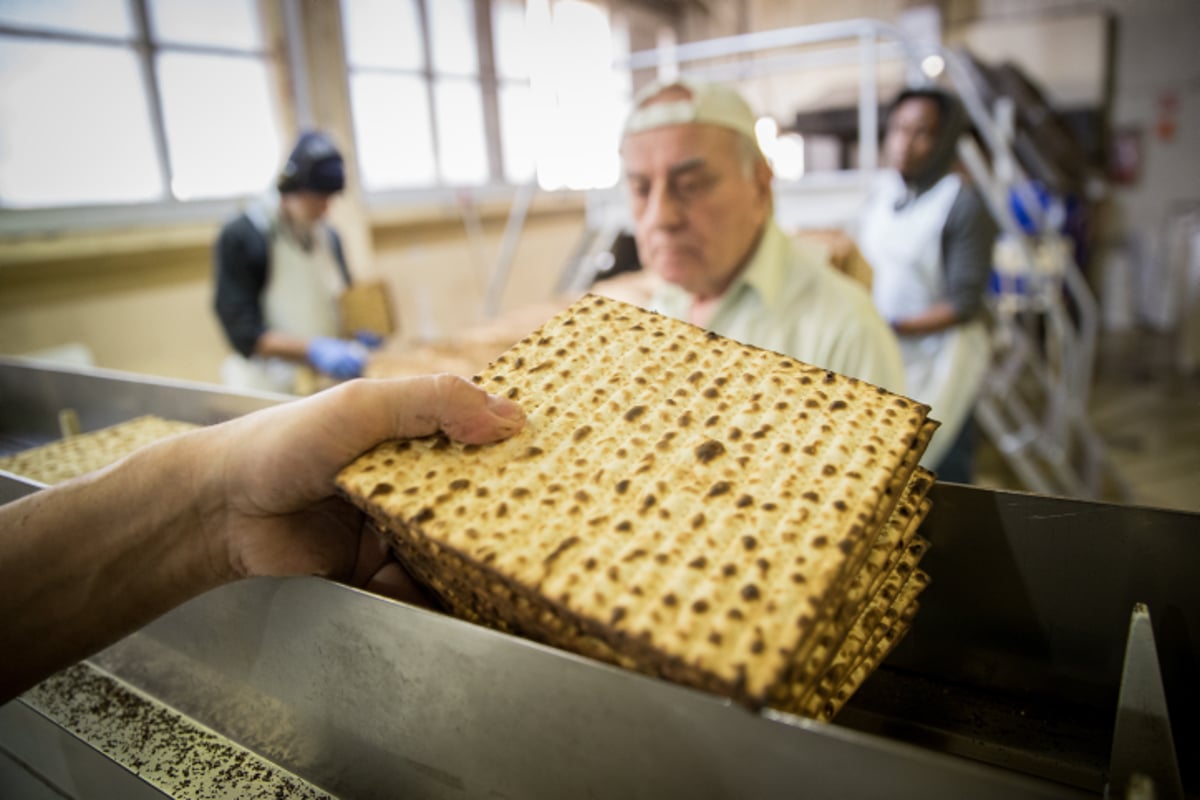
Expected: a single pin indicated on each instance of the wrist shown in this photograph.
(205, 513)
(166, 546)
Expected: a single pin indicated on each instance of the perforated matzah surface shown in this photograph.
(678, 503)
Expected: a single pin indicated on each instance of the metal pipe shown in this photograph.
(767, 40)
(147, 49)
(831, 57)
(868, 104)
(297, 56)
(508, 247)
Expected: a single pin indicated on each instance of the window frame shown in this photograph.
(494, 187)
(291, 90)
(497, 187)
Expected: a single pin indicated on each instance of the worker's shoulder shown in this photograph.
(969, 216)
(833, 289)
(241, 242)
(241, 224)
(968, 202)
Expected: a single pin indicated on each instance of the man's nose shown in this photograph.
(663, 208)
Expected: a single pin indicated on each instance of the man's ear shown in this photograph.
(763, 174)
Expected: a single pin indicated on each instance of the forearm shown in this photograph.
(273, 344)
(936, 317)
(87, 562)
(90, 561)
(967, 242)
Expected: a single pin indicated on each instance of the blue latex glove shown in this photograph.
(371, 340)
(337, 357)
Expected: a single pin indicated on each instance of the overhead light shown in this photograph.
(933, 65)
(766, 130)
(788, 160)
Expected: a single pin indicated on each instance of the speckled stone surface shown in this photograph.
(166, 749)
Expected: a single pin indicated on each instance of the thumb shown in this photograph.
(360, 414)
(468, 414)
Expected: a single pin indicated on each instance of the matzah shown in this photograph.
(678, 503)
(76, 455)
(889, 631)
(896, 551)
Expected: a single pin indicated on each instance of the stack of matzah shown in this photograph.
(76, 455)
(678, 503)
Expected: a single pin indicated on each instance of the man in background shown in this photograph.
(702, 203)
(279, 270)
(929, 241)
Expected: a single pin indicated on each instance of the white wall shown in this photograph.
(1157, 58)
(1159, 55)
(1064, 54)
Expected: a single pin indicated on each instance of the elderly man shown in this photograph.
(701, 197)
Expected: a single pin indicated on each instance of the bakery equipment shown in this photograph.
(1008, 685)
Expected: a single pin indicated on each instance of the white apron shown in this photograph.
(945, 369)
(300, 299)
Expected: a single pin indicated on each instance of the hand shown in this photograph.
(278, 511)
(252, 496)
(338, 358)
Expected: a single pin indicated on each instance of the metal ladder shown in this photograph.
(1045, 324)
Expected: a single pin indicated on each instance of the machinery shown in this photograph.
(1054, 656)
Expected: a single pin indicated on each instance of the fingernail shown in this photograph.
(505, 408)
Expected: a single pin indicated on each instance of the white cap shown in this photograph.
(710, 104)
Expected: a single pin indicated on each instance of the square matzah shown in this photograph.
(678, 502)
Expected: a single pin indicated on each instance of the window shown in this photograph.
(174, 103)
(221, 136)
(511, 50)
(415, 93)
(113, 101)
(46, 157)
(578, 100)
(428, 93)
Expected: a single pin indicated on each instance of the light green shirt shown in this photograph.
(788, 299)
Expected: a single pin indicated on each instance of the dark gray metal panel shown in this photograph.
(1031, 596)
(13, 487)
